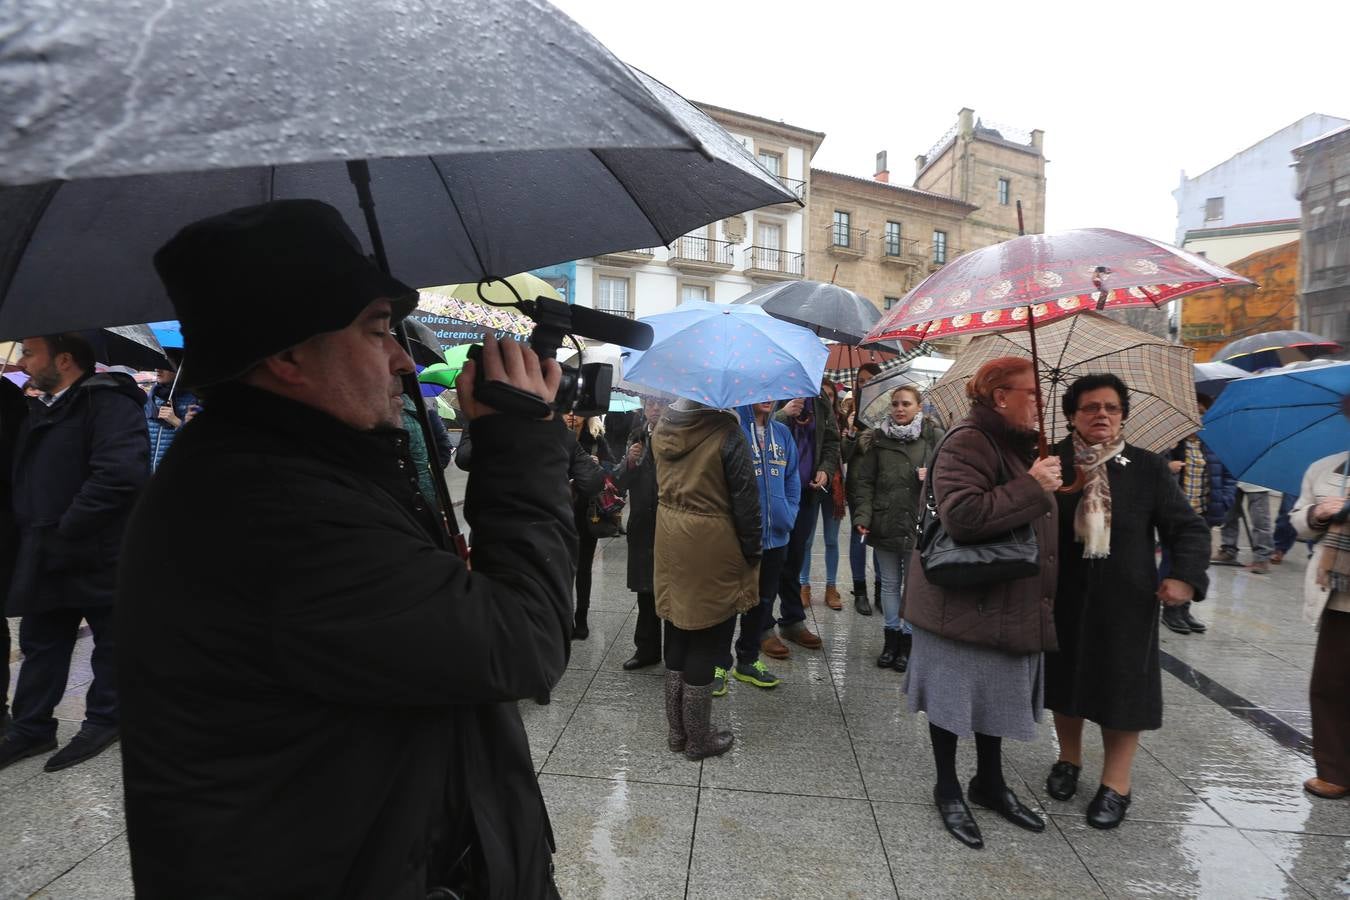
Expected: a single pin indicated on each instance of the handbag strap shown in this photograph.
(930, 497)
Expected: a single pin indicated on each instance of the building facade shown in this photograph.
(725, 259)
(1323, 191)
(1220, 315)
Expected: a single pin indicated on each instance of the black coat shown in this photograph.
(13, 410)
(640, 484)
(79, 465)
(1106, 610)
(316, 700)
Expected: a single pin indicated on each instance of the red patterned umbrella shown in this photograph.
(1034, 279)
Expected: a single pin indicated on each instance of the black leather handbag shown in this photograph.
(949, 563)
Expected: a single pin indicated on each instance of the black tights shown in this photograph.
(585, 562)
(988, 764)
(697, 653)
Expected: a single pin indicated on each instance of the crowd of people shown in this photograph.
(306, 621)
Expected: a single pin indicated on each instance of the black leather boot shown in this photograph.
(887, 657)
(1172, 619)
(1197, 627)
(860, 598)
(903, 644)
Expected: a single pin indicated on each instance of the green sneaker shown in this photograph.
(755, 674)
(719, 682)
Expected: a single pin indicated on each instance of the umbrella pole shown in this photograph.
(1042, 445)
(173, 389)
(450, 537)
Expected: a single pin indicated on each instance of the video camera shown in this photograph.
(585, 389)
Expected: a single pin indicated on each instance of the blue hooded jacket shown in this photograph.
(780, 490)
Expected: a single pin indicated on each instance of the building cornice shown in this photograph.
(894, 193)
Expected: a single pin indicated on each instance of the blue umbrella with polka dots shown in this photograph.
(727, 355)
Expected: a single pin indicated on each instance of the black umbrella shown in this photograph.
(482, 163)
(128, 345)
(1272, 349)
(833, 312)
(426, 348)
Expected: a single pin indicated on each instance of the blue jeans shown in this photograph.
(891, 574)
(789, 584)
(831, 543)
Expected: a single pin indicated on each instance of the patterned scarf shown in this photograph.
(1333, 572)
(1193, 476)
(1092, 520)
(903, 433)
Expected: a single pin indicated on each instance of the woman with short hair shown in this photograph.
(1107, 668)
(977, 659)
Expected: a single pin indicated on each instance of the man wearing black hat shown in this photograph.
(317, 697)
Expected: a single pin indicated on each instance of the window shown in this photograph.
(612, 295)
(771, 161)
(1004, 189)
(1213, 209)
(891, 301)
(841, 229)
(892, 238)
(939, 247)
(694, 292)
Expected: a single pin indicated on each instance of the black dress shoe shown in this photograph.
(1172, 618)
(1062, 783)
(580, 631)
(88, 743)
(1196, 625)
(14, 748)
(638, 661)
(958, 821)
(1004, 802)
(1107, 809)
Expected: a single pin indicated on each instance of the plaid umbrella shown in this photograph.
(1162, 388)
(844, 360)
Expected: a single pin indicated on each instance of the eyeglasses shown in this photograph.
(1112, 409)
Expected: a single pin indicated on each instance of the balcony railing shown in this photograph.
(627, 257)
(771, 261)
(701, 253)
(626, 313)
(848, 241)
(796, 185)
(906, 251)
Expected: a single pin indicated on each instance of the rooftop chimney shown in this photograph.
(882, 174)
(919, 162)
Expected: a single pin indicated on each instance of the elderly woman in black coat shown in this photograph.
(1106, 609)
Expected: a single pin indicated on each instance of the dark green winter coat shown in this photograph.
(886, 491)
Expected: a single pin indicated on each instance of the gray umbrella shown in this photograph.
(499, 136)
(833, 312)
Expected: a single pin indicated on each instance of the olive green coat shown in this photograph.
(885, 490)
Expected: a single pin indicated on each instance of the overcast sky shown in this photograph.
(1128, 94)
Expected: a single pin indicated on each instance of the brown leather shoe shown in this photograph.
(832, 598)
(1260, 567)
(1325, 789)
(804, 637)
(1277, 557)
(806, 595)
(774, 648)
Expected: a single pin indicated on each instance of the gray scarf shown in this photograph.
(905, 434)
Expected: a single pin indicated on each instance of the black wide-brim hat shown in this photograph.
(259, 280)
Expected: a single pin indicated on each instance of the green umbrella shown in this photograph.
(445, 373)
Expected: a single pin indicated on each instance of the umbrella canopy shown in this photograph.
(1041, 277)
(1272, 349)
(845, 359)
(128, 345)
(605, 354)
(1212, 377)
(172, 114)
(726, 355)
(168, 333)
(833, 312)
(874, 400)
(523, 286)
(444, 373)
(1267, 429)
(1159, 375)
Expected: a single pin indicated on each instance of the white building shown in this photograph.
(726, 259)
(1246, 203)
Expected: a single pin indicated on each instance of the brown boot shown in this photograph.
(703, 739)
(676, 739)
(806, 595)
(774, 648)
(800, 634)
(832, 598)
(1325, 789)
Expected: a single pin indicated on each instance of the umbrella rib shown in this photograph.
(642, 207)
(454, 204)
(1289, 437)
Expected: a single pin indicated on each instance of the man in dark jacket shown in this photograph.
(80, 460)
(319, 698)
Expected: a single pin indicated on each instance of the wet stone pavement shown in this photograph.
(826, 793)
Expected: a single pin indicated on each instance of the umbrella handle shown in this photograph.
(1074, 486)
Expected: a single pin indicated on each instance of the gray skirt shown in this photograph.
(967, 689)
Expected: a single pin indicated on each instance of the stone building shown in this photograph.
(1323, 172)
(1215, 317)
(882, 239)
(725, 259)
